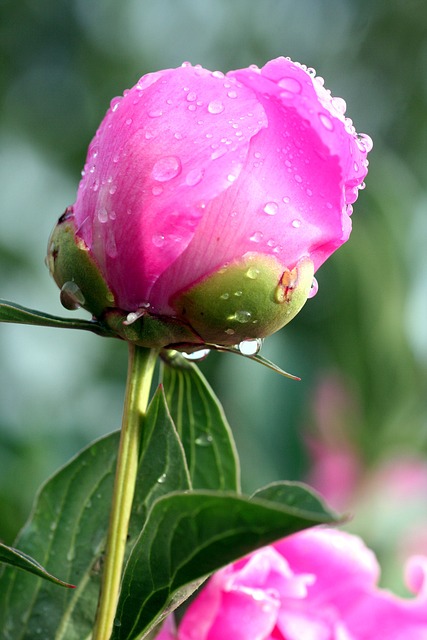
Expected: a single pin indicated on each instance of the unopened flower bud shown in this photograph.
(207, 202)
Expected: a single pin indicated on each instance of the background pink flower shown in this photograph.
(320, 584)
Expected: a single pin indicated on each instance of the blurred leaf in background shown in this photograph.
(63, 62)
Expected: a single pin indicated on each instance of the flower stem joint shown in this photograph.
(207, 203)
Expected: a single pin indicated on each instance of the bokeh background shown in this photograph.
(356, 424)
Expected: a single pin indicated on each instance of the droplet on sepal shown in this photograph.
(161, 479)
(196, 356)
(250, 347)
(314, 288)
(71, 296)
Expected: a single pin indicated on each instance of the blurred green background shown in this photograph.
(360, 345)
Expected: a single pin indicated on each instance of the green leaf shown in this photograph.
(202, 426)
(256, 357)
(67, 531)
(189, 535)
(162, 465)
(19, 559)
(11, 312)
(295, 495)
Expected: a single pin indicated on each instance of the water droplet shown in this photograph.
(286, 199)
(217, 74)
(117, 622)
(250, 347)
(298, 178)
(290, 86)
(115, 103)
(232, 94)
(194, 177)
(238, 294)
(71, 296)
(156, 191)
(113, 189)
(166, 168)
(191, 97)
(215, 107)
(155, 113)
(242, 316)
(110, 245)
(296, 223)
(271, 208)
(230, 332)
(129, 121)
(71, 554)
(257, 236)
(158, 240)
(204, 440)
(339, 104)
(224, 296)
(162, 479)
(196, 356)
(365, 141)
(314, 288)
(103, 215)
(326, 121)
(252, 273)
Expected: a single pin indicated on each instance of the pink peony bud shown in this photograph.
(208, 201)
(319, 584)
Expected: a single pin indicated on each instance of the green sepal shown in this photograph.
(154, 332)
(250, 298)
(69, 261)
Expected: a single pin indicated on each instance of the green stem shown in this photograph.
(140, 373)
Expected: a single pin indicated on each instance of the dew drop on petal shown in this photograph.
(365, 142)
(193, 177)
(191, 97)
(296, 223)
(215, 106)
(326, 121)
(339, 104)
(290, 86)
(166, 168)
(156, 191)
(271, 208)
(314, 288)
(257, 236)
(158, 240)
(103, 215)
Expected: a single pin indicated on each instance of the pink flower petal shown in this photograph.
(291, 198)
(174, 141)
